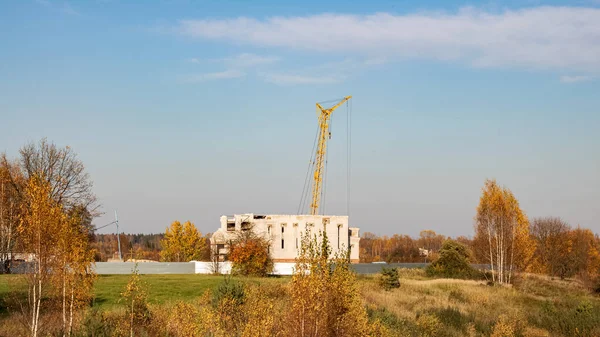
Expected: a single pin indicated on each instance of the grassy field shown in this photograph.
(533, 306)
(162, 289)
(422, 306)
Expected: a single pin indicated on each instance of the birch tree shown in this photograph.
(41, 219)
(502, 232)
(74, 276)
(70, 184)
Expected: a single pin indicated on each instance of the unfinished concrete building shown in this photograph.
(284, 232)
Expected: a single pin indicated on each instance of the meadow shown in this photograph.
(422, 306)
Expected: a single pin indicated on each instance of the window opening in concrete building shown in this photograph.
(260, 216)
(246, 226)
(282, 241)
(338, 236)
(230, 226)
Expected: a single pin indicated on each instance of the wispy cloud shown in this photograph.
(291, 79)
(222, 75)
(67, 9)
(250, 60)
(244, 60)
(566, 38)
(575, 79)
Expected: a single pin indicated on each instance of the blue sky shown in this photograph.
(188, 110)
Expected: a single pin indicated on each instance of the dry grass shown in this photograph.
(535, 306)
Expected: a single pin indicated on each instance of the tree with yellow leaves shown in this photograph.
(135, 296)
(586, 256)
(325, 298)
(74, 276)
(62, 258)
(41, 218)
(182, 243)
(502, 232)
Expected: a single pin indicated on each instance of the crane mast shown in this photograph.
(324, 134)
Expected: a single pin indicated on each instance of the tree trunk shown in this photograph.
(64, 300)
(71, 310)
(131, 319)
(489, 230)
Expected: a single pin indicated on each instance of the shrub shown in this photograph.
(571, 317)
(182, 320)
(230, 290)
(96, 324)
(509, 326)
(453, 262)
(249, 255)
(429, 325)
(325, 299)
(135, 297)
(389, 279)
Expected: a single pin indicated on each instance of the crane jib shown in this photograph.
(324, 134)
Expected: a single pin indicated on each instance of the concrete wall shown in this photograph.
(198, 267)
(279, 268)
(145, 267)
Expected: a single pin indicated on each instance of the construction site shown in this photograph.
(284, 232)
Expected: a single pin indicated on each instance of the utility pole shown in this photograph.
(118, 236)
(116, 222)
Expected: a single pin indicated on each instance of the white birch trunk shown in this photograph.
(71, 310)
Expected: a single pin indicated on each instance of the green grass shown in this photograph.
(161, 288)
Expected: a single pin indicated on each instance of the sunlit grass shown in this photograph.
(536, 305)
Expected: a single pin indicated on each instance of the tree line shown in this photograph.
(505, 239)
(46, 210)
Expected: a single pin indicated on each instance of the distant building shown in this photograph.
(285, 233)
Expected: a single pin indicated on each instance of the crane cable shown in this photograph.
(302, 205)
(348, 153)
(306, 187)
(324, 190)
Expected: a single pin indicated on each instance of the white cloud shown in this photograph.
(222, 75)
(291, 79)
(243, 60)
(532, 38)
(575, 79)
(250, 60)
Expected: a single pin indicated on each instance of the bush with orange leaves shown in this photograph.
(249, 255)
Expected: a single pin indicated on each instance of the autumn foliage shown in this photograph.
(249, 255)
(325, 298)
(502, 236)
(183, 243)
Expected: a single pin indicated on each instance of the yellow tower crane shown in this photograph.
(324, 134)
